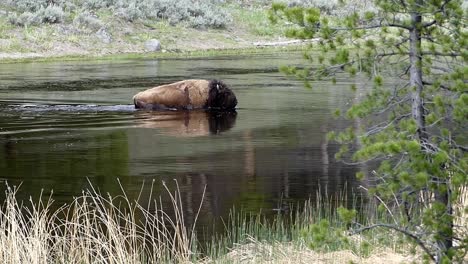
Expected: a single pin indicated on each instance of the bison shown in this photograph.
(187, 95)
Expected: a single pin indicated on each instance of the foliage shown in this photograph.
(335, 8)
(195, 13)
(88, 20)
(49, 14)
(27, 5)
(413, 121)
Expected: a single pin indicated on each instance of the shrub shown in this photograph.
(324, 5)
(25, 19)
(195, 13)
(51, 14)
(203, 15)
(132, 11)
(333, 7)
(88, 20)
(97, 4)
(198, 14)
(27, 5)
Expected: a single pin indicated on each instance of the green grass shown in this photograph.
(312, 226)
(160, 55)
(256, 20)
(5, 28)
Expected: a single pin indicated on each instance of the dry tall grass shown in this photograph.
(102, 229)
(93, 229)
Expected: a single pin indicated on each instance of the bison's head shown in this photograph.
(220, 97)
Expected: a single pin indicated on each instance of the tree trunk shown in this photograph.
(416, 76)
(444, 241)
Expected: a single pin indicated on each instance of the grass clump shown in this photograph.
(96, 228)
(92, 229)
(313, 230)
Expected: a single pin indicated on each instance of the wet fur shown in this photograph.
(220, 96)
(186, 95)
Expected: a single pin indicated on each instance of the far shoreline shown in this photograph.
(6, 58)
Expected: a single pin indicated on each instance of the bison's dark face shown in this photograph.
(220, 97)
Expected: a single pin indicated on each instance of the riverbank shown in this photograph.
(106, 35)
(27, 57)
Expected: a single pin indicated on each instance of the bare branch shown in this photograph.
(462, 148)
(376, 129)
(403, 4)
(379, 24)
(406, 98)
(440, 85)
(428, 24)
(331, 70)
(448, 54)
(438, 120)
(403, 231)
(389, 54)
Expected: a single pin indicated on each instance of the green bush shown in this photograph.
(88, 20)
(25, 19)
(198, 14)
(324, 5)
(27, 5)
(51, 14)
(97, 4)
(194, 13)
(334, 7)
(48, 14)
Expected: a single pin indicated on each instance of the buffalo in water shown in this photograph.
(187, 95)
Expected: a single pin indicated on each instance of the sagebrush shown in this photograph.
(193, 13)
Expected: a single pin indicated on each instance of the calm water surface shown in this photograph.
(64, 125)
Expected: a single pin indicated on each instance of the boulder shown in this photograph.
(152, 45)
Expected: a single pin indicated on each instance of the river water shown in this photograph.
(66, 125)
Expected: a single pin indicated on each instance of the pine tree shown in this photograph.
(419, 138)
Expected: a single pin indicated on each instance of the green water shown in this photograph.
(64, 125)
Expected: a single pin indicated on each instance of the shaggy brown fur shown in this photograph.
(187, 94)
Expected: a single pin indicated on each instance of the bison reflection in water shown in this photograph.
(188, 123)
(187, 95)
